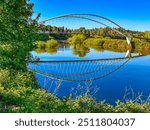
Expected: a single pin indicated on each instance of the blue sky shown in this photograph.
(131, 14)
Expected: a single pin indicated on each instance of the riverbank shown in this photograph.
(82, 43)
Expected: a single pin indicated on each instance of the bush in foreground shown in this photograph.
(27, 99)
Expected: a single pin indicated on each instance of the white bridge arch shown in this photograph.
(85, 16)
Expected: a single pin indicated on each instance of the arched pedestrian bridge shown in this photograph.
(80, 70)
(74, 21)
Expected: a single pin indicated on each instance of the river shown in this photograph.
(109, 80)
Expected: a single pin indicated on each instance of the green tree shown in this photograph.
(77, 39)
(15, 20)
(17, 30)
(54, 29)
(147, 34)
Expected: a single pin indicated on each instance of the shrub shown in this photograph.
(4, 76)
(76, 39)
(52, 43)
(48, 44)
(27, 99)
(41, 44)
(94, 42)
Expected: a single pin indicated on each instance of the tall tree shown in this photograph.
(18, 30)
(15, 20)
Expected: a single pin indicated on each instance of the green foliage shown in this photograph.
(52, 43)
(82, 47)
(58, 36)
(17, 36)
(43, 37)
(15, 21)
(4, 76)
(27, 99)
(40, 44)
(76, 39)
(48, 44)
(115, 44)
(131, 107)
(48, 50)
(18, 31)
(147, 34)
(94, 42)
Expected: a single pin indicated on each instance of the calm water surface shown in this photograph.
(126, 83)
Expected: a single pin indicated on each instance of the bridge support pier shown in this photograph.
(129, 40)
(128, 54)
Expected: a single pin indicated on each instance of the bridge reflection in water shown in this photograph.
(79, 70)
